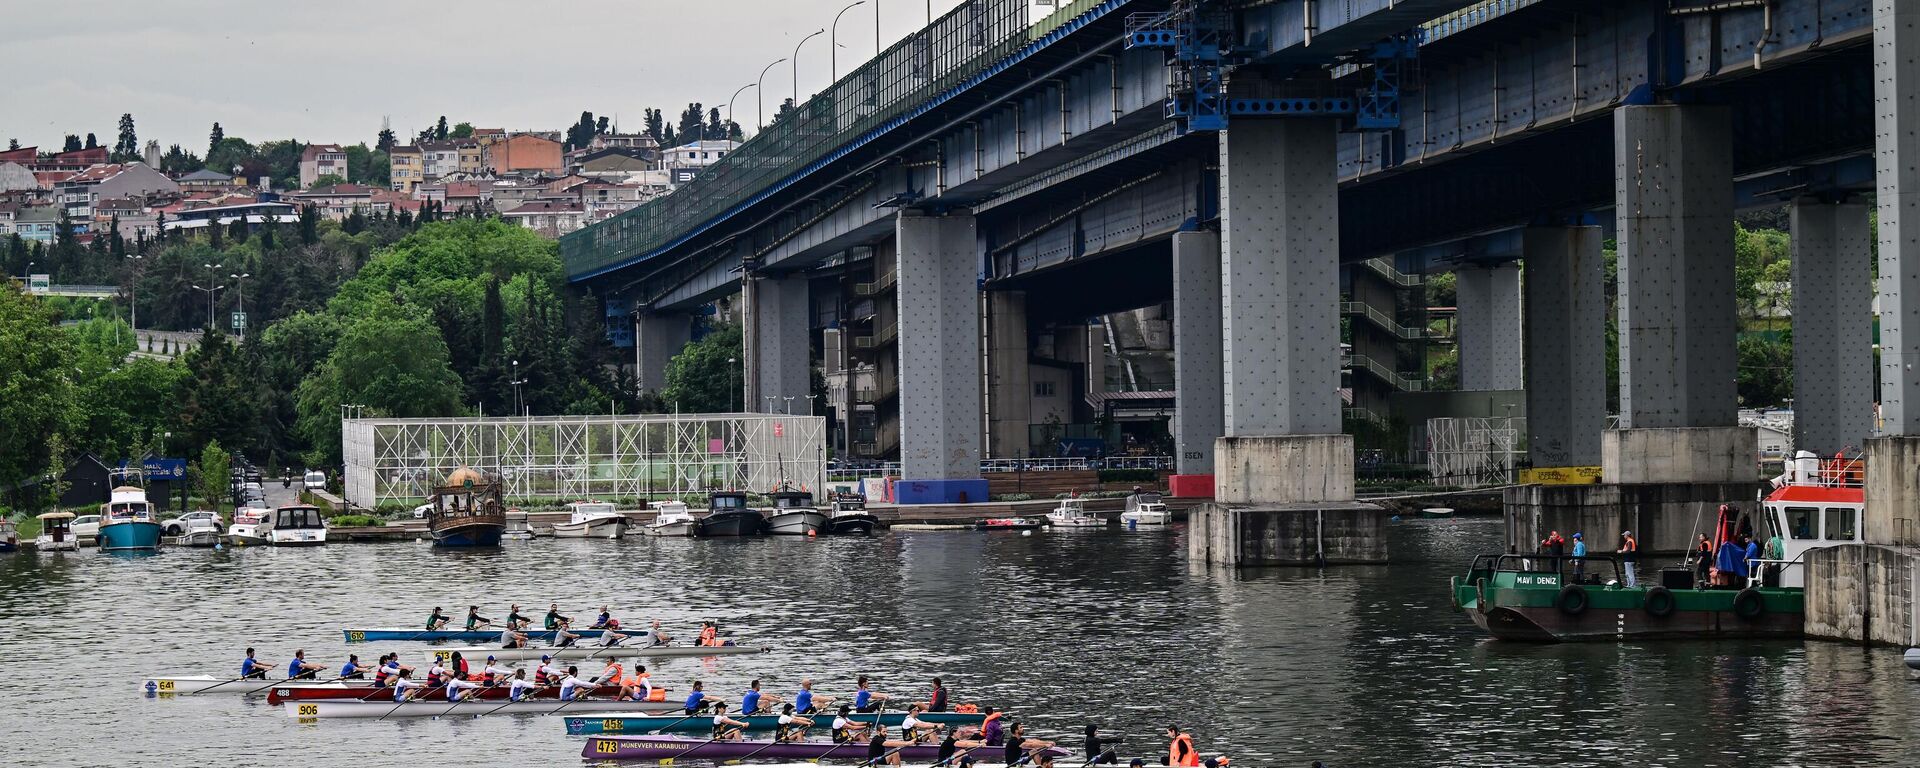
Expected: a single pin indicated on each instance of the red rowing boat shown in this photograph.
(365, 691)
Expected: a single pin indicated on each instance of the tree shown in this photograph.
(327, 180)
(602, 127)
(462, 131)
(1766, 369)
(128, 146)
(394, 362)
(72, 144)
(385, 141)
(212, 473)
(13, 144)
(440, 129)
(733, 132)
(92, 142)
(178, 161)
(693, 125)
(213, 140)
(655, 126)
(38, 382)
(670, 139)
(716, 129)
(581, 133)
(705, 376)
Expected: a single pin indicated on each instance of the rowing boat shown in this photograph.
(367, 692)
(633, 722)
(680, 747)
(387, 634)
(172, 685)
(576, 652)
(439, 707)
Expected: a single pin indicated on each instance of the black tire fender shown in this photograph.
(1658, 602)
(1749, 604)
(1572, 600)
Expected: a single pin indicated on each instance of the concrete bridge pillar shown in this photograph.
(781, 361)
(1566, 346)
(1199, 416)
(1893, 471)
(1489, 326)
(1283, 472)
(1832, 327)
(656, 339)
(940, 382)
(1009, 381)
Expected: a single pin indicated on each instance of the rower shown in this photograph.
(494, 673)
(251, 669)
(750, 703)
(299, 669)
(572, 687)
(512, 638)
(438, 670)
(659, 637)
(845, 729)
(547, 673)
(790, 727)
(390, 670)
(352, 669)
(405, 683)
(561, 636)
(1018, 743)
(1219, 761)
(520, 688)
(805, 701)
(864, 699)
(459, 690)
(475, 621)
(610, 675)
(1100, 750)
(724, 728)
(936, 701)
(948, 746)
(877, 747)
(605, 616)
(437, 620)
(554, 619)
(609, 636)
(913, 729)
(697, 698)
(515, 621)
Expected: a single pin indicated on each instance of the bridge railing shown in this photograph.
(959, 45)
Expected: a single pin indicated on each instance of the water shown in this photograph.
(1355, 666)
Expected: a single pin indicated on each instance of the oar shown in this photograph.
(743, 758)
(669, 726)
(1104, 751)
(296, 681)
(405, 700)
(537, 690)
(228, 682)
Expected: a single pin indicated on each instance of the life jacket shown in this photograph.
(657, 694)
(1180, 751)
(969, 709)
(708, 635)
(1632, 545)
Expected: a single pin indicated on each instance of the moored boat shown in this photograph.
(591, 520)
(247, 528)
(1072, 513)
(576, 652)
(431, 707)
(1010, 524)
(1145, 509)
(9, 535)
(295, 525)
(56, 533)
(467, 511)
(850, 516)
(128, 523)
(201, 539)
(670, 518)
(793, 514)
(640, 722)
(402, 634)
(728, 515)
(687, 747)
(1436, 513)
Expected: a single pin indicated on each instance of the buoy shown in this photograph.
(1026, 533)
(811, 533)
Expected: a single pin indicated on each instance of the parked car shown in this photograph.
(420, 512)
(86, 527)
(255, 504)
(198, 520)
(315, 480)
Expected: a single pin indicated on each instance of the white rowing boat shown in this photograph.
(437, 706)
(578, 652)
(174, 685)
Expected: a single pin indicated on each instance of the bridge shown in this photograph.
(939, 224)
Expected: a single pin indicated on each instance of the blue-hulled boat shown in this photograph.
(642, 723)
(390, 634)
(467, 511)
(128, 523)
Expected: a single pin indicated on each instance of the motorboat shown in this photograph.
(1145, 508)
(591, 520)
(729, 515)
(794, 514)
(295, 525)
(670, 518)
(850, 516)
(56, 533)
(467, 511)
(1072, 513)
(128, 523)
(9, 535)
(247, 527)
(200, 528)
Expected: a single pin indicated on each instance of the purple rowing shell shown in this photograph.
(658, 747)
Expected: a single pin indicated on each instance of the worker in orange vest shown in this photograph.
(1180, 747)
(1629, 554)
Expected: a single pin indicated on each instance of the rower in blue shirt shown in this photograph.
(750, 703)
(804, 701)
(864, 700)
(696, 699)
(351, 670)
(299, 669)
(249, 668)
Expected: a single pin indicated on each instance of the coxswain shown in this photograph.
(352, 669)
(493, 673)
(630, 687)
(572, 687)
(405, 688)
(937, 700)
(790, 727)
(709, 635)
(475, 621)
(520, 688)
(1180, 747)
(724, 728)
(562, 637)
(437, 620)
(915, 730)
(697, 699)
(459, 690)
(553, 616)
(457, 666)
(644, 683)
(845, 728)
(251, 668)
(992, 729)
(515, 621)
(299, 669)
(600, 622)
(751, 702)
(547, 673)
(865, 699)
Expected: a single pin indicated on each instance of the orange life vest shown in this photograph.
(1180, 752)
(708, 634)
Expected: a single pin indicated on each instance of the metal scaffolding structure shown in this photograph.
(1473, 452)
(562, 458)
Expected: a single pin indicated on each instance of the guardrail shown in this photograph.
(998, 466)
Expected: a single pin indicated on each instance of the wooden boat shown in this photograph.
(577, 652)
(171, 685)
(1072, 513)
(1009, 524)
(295, 525)
(128, 523)
(670, 518)
(56, 533)
(467, 511)
(728, 515)
(793, 514)
(401, 634)
(640, 722)
(850, 516)
(9, 535)
(687, 747)
(1145, 509)
(440, 707)
(591, 520)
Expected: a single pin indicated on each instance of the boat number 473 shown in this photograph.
(1538, 581)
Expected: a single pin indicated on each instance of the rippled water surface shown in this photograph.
(1355, 666)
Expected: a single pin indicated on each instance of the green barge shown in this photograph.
(1542, 599)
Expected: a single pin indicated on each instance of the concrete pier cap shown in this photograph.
(1285, 500)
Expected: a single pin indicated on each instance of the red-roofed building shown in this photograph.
(77, 160)
(107, 181)
(23, 155)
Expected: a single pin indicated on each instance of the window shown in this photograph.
(1043, 389)
(1840, 523)
(1802, 522)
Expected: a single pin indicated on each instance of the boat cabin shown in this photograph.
(298, 518)
(9, 535)
(849, 503)
(467, 497)
(1145, 501)
(56, 527)
(127, 505)
(1815, 503)
(726, 501)
(792, 499)
(591, 510)
(674, 511)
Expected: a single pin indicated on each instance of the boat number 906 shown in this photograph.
(308, 710)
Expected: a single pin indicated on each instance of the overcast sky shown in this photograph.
(330, 70)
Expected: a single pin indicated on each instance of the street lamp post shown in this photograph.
(211, 279)
(833, 40)
(210, 292)
(789, 399)
(737, 384)
(730, 100)
(516, 382)
(760, 93)
(796, 65)
(240, 288)
(769, 399)
(133, 296)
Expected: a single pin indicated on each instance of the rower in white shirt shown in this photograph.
(520, 688)
(572, 687)
(405, 688)
(461, 690)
